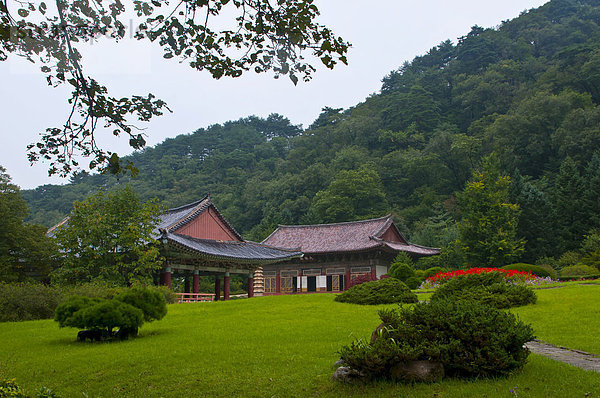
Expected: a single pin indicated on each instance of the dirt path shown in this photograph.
(581, 359)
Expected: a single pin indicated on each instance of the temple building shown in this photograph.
(334, 254)
(197, 240)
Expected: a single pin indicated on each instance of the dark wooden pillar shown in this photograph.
(186, 286)
(226, 286)
(251, 285)
(278, 283)
(348, 279)
(167, 277)
(217, 288)
(374, 272)
(196, 282)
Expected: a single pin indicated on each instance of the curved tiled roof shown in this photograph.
(245, 252)
(350, 236)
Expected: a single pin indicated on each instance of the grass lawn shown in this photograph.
(568, 316)
(270, 346)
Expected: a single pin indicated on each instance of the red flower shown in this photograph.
(479, 270)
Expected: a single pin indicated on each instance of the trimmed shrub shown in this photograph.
(107, 315)
(170, 296)
(402, 267)
(469, 338)
(65, 311)
(429, 272)
(151, 302)
(490, 288)
(413, 282)
(533, 269)
(578, 270)
(384, 291)
(568, 259)
(401, 271)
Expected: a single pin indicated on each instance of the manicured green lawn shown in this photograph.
(568, 316)
(267, 346)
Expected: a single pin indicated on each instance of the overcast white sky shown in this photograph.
(384, 34)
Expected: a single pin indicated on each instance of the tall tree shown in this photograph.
(109, 237)
(352, 195)
(25, 251)
(488, 228)
(570, 216)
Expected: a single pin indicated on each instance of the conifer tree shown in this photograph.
(569, 206)
(488, 229)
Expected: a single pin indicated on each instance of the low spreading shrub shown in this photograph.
(384, 291)
(27, 301)
(533, 269)
(151, 302)
(469, 338)
(578, 270)
(491, 288)
(126, 312)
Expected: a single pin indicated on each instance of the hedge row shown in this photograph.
(534, 269)
(28, 301)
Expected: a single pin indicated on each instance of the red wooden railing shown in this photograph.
(194, 297)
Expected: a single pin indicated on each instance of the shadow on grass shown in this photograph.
(143, 335)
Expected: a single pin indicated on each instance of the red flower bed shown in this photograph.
(443, 276)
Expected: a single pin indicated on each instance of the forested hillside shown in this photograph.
(527, 90)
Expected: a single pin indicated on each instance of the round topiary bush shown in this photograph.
(413, 282)
(384, 291)
(534, 269)
(401, 271)
(491, 288)
(469, 338)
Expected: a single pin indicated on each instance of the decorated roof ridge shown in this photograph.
(425, 247)
(407, 243)
(51, 230)
(335, 223)
(193, 204)
(390, 223)
(195, 209)
(279, 226)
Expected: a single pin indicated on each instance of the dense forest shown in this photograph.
(527, 91)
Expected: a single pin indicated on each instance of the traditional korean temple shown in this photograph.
(334, 254)
(197, 240)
